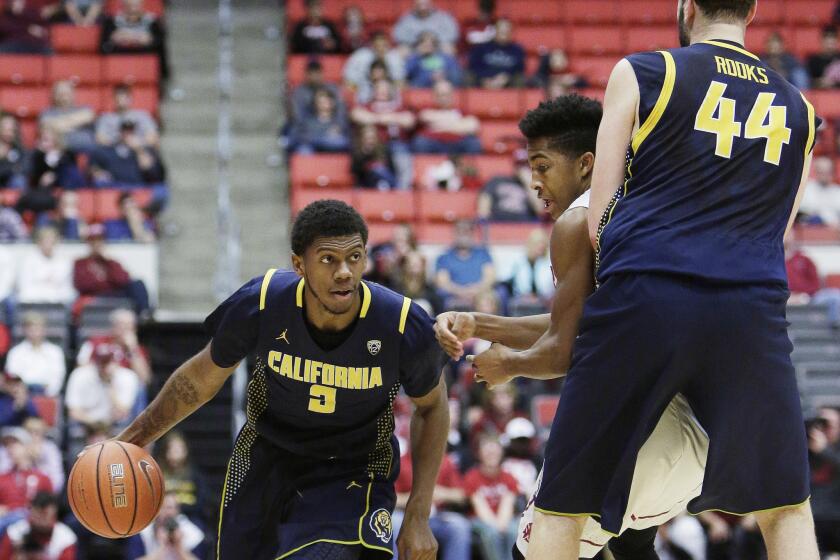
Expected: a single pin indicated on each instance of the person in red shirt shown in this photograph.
(22, 482)
(805, 284)
(492, 494)
(98, 276)
(40, 533)
(452, 530)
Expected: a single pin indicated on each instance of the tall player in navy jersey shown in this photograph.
(688, 228)
(313, 468)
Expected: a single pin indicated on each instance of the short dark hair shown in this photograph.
(733, 9)
(570, 122)
(44, 499)
(326, 218)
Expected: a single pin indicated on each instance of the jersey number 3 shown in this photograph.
(765, 121)
(322, 399)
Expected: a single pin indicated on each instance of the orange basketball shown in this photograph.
(115, 489)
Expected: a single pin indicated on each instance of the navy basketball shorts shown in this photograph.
(644, 338)
(275, 505)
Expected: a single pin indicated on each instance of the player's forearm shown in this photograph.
(429, 430)
(518, 333)
(548, 358)
(192, 385)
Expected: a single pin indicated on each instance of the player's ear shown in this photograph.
(585, 164)
(297, 264)
(751, 15)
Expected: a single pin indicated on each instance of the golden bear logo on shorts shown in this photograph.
(380, 524)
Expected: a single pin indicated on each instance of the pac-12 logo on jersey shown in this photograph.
(380, 524)
(374, 346)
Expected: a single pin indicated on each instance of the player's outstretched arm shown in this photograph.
(429, 430)
(452, 328)
(192, 385)
(621, 101)
(572, 260)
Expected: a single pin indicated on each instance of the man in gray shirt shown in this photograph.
(424, 17)
(108, 124)
(74, 122)
(357, 67)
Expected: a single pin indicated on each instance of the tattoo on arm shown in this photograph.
(185, 390)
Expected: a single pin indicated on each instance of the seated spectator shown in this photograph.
(425, 18)
(393, 124)
(12, 154)
(23, 29)
(412, 281)
(821, 202)
(805, 284)
(15, 403)
(45, 454)
(135, 31)
(98, 276)
(444, 129)
(303, 97)
(325, 130)
(499, 63)
(357, 68)
(132, 225)
(36, 360)
(79, 12)
(821, 66)
(384, 258)
(171, 535)
(12, 227)
(128, 162)
(465, 270)
(53, 167)
(108, 125)
(73, 123)
(531, 279)
(23, 482)
(371, 161)
(69, 221)
(182, 479)
(554, 71)
(102, 392)
(498, 409)
(786, 64)
(481, 28)
(315, 34)
(824, 459)
(354, 34)
(44, 275)
(40, 534)
(492, 493)
(428, 64)
(510, 198)
(520, 460)
(452, 174)
(123, 337)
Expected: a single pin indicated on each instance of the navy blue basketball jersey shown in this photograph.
(327, 404)
(713, 171)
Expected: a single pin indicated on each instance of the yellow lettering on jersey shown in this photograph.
(738, 69)
(315, 372)
(328, 374)
(354, 378)
(273, 358)
(375, 378)
(287, 366)
(341, 377)
(296, 375)
(306, 367)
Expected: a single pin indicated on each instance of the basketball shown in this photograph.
(115, 489)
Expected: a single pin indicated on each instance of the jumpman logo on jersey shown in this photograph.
(353, 484)
(283, 337)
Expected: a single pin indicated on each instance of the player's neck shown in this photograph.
(719, 30)
(323, 320)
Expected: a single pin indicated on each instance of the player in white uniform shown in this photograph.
(561, 144)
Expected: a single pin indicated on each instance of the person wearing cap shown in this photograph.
(509, 198)
(23, 481)
(102, 391)
(15, 403)
(45, 454)
(519, 461)
(40, 529)
(133, 223)
(36, 360)
(130, 161)
(96, 275)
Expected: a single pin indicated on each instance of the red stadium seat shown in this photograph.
(303, 197)
(770, 12)
(28, 131)
(540, 39)
(510, 233)
(531, 98)
(25, 101)
(418, 98)
(543, 408)
(390, 206)
(23, 69)
(82, 69)
(832, 281)
(591, 12)
(91, 97)
(321, 170)
(380, 232)
(826, 102)
(643, 38)
(152, 6)
(501, 137)
(806, 41)
(530, 12)
(595, 40)
(87, 204)
(422, 163)
(380, 11)
(9, 197)
(809, 12)
(816, 234)
(47, 408)
(441, 206)
(145, 98)
(594, 93)
(434, 233)
(492, 104)
(132, 69)
(596, 69)
(107, 205)
(756, 41)
(648, 11)
(332, 64)
(490, 165)
(75, 39)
